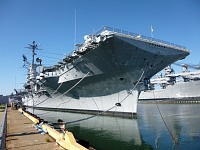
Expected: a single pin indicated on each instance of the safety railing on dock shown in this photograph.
(3, 130)
(138, 35)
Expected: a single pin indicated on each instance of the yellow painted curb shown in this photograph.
(65, 140)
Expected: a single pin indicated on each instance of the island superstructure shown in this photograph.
(105, 74)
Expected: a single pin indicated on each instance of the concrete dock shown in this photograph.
(22, 136)
(1, 114)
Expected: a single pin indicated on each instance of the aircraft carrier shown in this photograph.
(103, 75)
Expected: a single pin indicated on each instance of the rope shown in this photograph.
(133, 87)
(57, 87)
(66, 91)
(64, 77)
(175, 142)
(70, 68)
(100, 113)
(73, 86)
(95, 103)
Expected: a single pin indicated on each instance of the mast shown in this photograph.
(33, 67)
(33, 47)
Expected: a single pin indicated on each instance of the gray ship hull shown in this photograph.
(185, 91)
(106, 78)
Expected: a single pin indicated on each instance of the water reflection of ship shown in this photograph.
(146, 132)
(149, 115)
(114, 133)
(181, 120)
(174, 87)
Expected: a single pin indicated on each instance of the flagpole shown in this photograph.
(75, 30)
(151, 31)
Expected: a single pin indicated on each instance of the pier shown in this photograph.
(22, 130)
(21, 135)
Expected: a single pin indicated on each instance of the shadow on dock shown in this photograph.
(21, 135)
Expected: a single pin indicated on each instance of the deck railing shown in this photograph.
(138, 35)
(3, 130)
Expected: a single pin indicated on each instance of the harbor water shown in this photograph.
(158, 126)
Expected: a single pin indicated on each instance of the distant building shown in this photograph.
(3, 99)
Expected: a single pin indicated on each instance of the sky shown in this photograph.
(56, 25)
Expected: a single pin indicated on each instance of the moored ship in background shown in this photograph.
(174, 87)
(105, 74)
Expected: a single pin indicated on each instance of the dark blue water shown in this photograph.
(182, 129)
